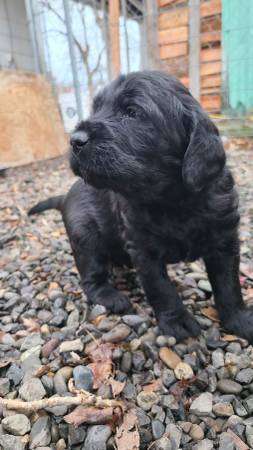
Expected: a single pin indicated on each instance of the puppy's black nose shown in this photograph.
(78, 140)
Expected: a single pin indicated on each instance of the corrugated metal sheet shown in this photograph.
(237, 36)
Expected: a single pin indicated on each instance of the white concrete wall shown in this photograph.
(15, 43)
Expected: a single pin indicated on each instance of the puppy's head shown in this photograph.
(146, 134)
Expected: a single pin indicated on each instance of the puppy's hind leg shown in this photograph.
(92, 260)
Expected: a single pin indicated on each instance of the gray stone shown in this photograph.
(249, 435)
(32, 389)
(162, 444)
(133, 320)
(15, 374)
(223, 409)
(126, 362)
(234, 347)
(9, 442)
(205, 285)
(143, 418)
(32, 340)
(97, 437)
(4, 386)
(18, 424)
(61, 378)
(168, 377)
(73, 319)
(40, 433)
(171, 341)
(83, 377)
(202, 405)
(33, 351)
(205, 444)
(147, 399)
(97, 310)
(138, 360)
(226, 442)
(76, 435)
(59, 318)
(245, 376)
(229, 387)
(157, 429)
(239, 408)
(174, 434)
(29, 366)
(218, 358)
(248, 402)
(129, 391)
(161, 341)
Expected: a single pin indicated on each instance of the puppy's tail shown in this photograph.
(50, 203)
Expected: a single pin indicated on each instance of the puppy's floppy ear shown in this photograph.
(205, 156)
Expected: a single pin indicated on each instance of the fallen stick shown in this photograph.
(82, 398)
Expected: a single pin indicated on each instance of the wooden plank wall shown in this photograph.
(173, 38)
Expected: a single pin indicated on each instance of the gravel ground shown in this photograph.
(193, 395)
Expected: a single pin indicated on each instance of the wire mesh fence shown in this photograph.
(81, 45)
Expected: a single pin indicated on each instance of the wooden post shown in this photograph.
(194, 48)
(114, 14)
(151, 28)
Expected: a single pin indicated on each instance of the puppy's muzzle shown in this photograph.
(78, 141)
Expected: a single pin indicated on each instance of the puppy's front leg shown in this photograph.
(223, 273)
(173, 319)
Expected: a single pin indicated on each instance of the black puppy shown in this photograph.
(154, 186)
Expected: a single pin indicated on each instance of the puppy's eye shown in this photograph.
(130, 112)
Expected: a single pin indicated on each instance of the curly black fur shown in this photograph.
(156, 189)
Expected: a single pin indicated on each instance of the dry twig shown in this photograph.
(82, 398)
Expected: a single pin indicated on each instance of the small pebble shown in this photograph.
(17, 424)
(71, 346)
(83, 378)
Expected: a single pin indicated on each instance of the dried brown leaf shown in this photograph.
(101, 372)
(91, 415)
(102, 353)
(155, 386)
(127, 435)
(211, 313)
(117, 386)
(229, 338)
(31, 324)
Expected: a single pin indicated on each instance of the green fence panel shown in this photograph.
(237, 45)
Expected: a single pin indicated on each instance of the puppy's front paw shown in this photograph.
(111, 299)
(180, 324)
(240, 323)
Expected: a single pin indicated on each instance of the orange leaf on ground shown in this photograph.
(101, 372)
(53, 285)
(229, 338)
(98, 319)
(155, 386)
(91, 415)
(101, 365)
(127, 436)
(210, 313)
(102, 353)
